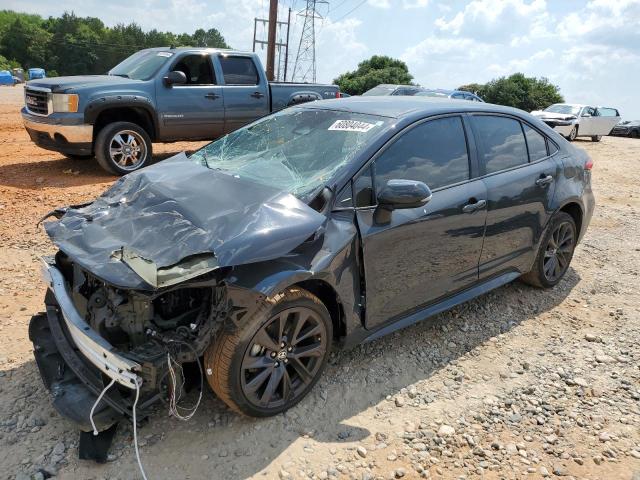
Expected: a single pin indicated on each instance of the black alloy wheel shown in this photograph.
(283, 358)
(559, 251)
(554, 253)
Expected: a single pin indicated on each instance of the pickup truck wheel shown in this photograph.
(596, 138)
(123, 147)
(270, 362)
(555, 252)
(573, 134)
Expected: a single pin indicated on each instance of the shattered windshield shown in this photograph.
(562, 108)
(296, 150)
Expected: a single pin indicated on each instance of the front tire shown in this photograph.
(270, 362)
(573, 133)
(555, 252)
(123, 147)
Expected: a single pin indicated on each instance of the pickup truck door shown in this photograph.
(194, 110)
(246, 90)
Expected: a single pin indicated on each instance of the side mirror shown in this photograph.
(175, 77)
(398, 194)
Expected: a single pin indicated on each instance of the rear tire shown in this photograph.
(274, 358)
(123, 147)
(555, 252)
(596, 138)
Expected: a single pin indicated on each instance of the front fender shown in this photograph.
(98, 105)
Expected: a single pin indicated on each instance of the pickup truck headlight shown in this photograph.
(65, 102)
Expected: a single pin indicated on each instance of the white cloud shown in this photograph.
(380, 3)
(409, 4)
(497, 20)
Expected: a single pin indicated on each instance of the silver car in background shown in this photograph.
(574, 120)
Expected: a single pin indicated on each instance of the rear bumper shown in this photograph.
(74, 139)
(76, 363)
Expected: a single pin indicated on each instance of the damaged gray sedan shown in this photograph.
(327, 224)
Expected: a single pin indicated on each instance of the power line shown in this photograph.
(352, 10)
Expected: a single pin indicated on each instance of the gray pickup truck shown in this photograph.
(155, 95)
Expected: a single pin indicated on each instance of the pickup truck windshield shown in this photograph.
(296, 150)
(141, 65)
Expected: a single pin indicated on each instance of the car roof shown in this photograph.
(400, 106)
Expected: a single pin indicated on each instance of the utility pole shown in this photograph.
(277, 44)
(271, 38)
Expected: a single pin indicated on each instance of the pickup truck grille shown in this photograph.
(36, 101)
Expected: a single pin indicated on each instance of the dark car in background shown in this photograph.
(628, 128)
(454, 94)
(324, 225)
(387, 90)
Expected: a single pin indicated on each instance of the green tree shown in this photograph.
(73, 45)
(519, 91)
(372, 72)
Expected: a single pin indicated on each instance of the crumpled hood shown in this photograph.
(75, 82)
(180, 213)
(541, 114)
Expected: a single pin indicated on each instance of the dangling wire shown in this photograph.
(95, 430)
(135, 431)
(176, 392)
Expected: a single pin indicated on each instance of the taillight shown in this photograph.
(338, 94)
(588, 165)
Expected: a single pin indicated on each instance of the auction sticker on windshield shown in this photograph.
(351, 126)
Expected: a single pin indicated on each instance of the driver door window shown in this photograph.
(434, 152)
(197, 69)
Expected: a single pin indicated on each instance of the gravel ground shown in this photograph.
(519, 383)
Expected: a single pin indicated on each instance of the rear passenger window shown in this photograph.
(239, 71)
(552, 147)
(536, 143)
(434, 152)
(502, 140)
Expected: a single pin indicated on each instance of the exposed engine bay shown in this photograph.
(146, 326)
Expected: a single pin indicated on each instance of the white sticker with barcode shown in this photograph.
(351, 126)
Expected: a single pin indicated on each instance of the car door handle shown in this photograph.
(257, 94)
(544, 180)
(212, 96)
(474, 206)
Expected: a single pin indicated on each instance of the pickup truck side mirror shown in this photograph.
(175, 77)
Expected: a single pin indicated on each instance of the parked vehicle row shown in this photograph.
(155, 95)
(324, 225)
(628, 128)
(384, 90)
(575, 120)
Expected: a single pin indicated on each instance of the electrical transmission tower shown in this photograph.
(304, 68)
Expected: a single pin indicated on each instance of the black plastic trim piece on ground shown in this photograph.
(96, 447)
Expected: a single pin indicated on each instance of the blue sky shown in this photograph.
(590, 48)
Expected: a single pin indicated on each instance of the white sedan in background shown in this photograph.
(573, 120)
